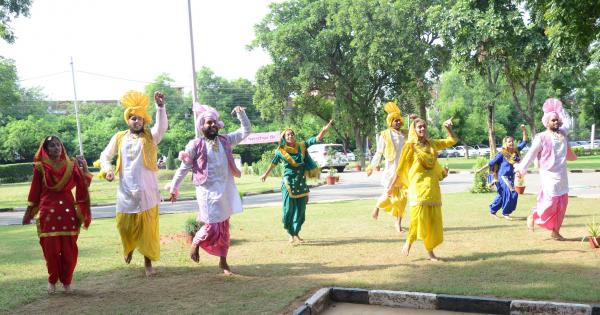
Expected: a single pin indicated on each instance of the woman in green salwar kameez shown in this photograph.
(297, 165)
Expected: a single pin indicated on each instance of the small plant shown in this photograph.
(332, 171)
(192, 226)
(593, 228)
(480, 179)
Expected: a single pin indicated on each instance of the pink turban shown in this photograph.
(202, 112)
(554, 106)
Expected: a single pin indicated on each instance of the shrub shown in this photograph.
(480, 179)
(15, 173)
(259, 167)
(192, 226)
(170, 161)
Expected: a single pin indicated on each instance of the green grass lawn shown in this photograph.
(345, 247)
(103, 192)
(582, 162)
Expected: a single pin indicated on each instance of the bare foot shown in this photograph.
(507, 217)
(195, 253)
(530, 222)
(224, 266)
(556, 236)
(67, 288)
(291, 240)
(432, 256)
(51, 288)
(494, 216)
(375, 213)
(406, 248)
(128, 257)
(398, 227)
(300, 240)
(148, 266)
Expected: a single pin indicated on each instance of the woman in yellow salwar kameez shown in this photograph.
(419, 170)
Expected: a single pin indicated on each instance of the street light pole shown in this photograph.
(194, 88)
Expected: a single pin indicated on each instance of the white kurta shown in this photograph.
(390, 165)
(554, 179)
(218, 197)
(138, 186)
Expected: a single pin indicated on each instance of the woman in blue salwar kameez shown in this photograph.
(503, 172)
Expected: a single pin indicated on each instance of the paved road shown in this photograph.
(352, 186)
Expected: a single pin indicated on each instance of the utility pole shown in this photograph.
(76, 110)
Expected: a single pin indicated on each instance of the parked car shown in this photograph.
(350, 156)
(482, 149)
(575, 145)
(328, 155)
(461, 150)
(448, 152)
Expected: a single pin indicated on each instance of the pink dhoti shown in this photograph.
(550, 211)
(214, 238)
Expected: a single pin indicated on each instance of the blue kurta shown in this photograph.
(505, 185)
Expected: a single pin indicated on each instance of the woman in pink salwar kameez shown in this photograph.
(551, 149)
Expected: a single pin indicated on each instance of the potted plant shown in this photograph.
(359, 158)
(331, 176)
(594, 233)
(520, 185)
(191, 227)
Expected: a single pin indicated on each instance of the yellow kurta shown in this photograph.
(424, 194)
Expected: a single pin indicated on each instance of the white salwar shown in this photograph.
(218, 197)
(138, 186)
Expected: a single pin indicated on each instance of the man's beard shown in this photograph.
(210, 133)
(132, 130)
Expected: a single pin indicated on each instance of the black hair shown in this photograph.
(47, 141)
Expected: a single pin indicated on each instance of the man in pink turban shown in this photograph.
(551, 149)
(213, 168)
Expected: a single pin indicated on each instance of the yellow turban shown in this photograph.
(136, 104)
(393, 113)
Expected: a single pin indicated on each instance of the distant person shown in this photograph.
(59, 215)
(138, 197)
(551, 149)
(389, 145)
(211, 161)
(419, 170)
(297, 165)
(502, 169)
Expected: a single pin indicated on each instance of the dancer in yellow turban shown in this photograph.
(389, 145)
(420, 171)
(138, 197)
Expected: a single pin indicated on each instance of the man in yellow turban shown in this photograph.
(138, 196)
(389, 145)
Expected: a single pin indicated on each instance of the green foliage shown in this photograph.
(10, 9)
(480, 179)
(259, 167)
(593, 228)
(192, 226)
(15, 173)
(171, 161)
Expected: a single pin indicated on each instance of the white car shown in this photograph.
(328, 155)
(462, 153)
(482, 149)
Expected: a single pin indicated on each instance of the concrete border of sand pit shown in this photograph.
(458, 303)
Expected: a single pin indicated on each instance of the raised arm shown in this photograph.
(162, 124)
(524, 132)
(245, 129)
(324, 131)
(536, 147)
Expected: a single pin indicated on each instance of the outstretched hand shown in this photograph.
(448, 123)
(238, 109)
(173, 198)
(159, 98)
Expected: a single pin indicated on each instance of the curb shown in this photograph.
(430, 301)
(532, 172)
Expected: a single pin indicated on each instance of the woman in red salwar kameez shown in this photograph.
(58, 215)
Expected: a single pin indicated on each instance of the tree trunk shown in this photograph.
(491, 129)
(360, 145)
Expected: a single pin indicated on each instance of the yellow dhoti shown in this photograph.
(140, 230)
(394, 204)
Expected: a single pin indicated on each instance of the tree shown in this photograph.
(342, 59)
(10, 9)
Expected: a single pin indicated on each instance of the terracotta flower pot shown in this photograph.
(330, 180)
(337, 178)
(520, 189)
(594, 241)
(189, 238)
(358, 168)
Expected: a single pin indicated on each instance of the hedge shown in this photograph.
(16, 173)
